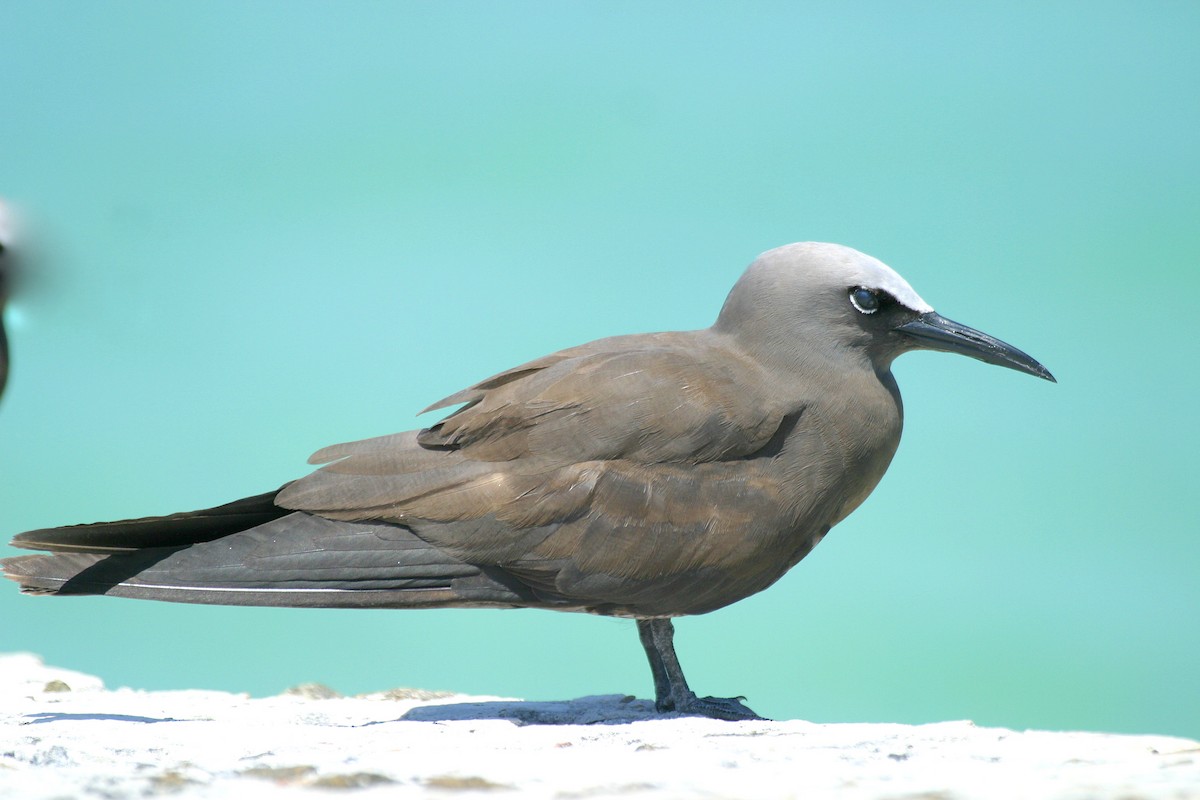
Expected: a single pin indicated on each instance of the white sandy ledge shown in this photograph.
(88, 742)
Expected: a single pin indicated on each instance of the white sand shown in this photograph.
(89, 742)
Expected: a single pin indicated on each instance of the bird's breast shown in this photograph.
(835, 456)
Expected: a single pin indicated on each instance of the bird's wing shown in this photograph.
(524, 446)
(655, 402)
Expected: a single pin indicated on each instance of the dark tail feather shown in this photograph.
(174, 530)
(78, 573)
(294, 559)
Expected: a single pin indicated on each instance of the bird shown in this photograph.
(6, 280)
(3, 333)
(645, 476)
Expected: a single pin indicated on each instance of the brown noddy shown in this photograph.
(647, 476)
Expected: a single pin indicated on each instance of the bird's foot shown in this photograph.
(727, 708)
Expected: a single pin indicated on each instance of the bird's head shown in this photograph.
(813, 302)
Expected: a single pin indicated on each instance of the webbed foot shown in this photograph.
(726, 708)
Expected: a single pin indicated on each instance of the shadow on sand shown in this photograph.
(607, 709)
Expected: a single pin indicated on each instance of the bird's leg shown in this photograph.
(670, 687)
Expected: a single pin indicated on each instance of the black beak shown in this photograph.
(932, 331)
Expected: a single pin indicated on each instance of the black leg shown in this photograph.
(662, 683)
(670, 687)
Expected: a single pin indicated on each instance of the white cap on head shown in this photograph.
(847, 265)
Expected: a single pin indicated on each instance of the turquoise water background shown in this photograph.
(251, 230)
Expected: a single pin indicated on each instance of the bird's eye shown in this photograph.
(865, 300)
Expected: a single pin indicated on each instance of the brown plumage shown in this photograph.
(646, 476)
